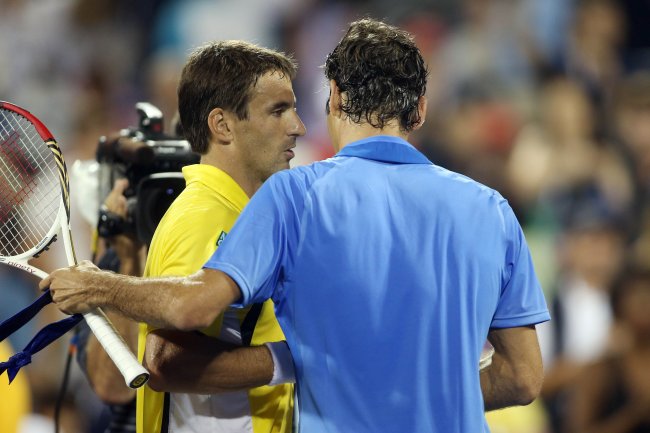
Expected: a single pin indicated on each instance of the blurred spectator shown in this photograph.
(591, 253)
(631, 115)
(81, 66)
(488, 46)
(475, 137)
(593, 53)
(548, 22)
(559, 150)
(612, 395)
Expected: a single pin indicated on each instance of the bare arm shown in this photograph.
(185, 303)
(516, 373)
(104, 377)
(195, 363)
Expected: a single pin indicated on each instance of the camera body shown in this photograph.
(152, 162)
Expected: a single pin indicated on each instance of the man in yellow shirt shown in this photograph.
(237, 110)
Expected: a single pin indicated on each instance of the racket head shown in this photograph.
(33, 185)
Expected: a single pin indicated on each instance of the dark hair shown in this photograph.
(382, 72)
(222, 74)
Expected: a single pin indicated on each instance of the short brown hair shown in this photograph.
(222, 74)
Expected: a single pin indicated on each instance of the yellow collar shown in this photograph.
(218, 181)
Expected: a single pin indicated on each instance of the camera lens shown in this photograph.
(155, 194)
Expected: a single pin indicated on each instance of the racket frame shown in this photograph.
(135, 375)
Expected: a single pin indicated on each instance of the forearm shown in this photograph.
(515, 375)
(185, 303)
(499, 388)
(161, 302)
(195, 363)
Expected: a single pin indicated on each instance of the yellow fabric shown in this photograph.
(185, 239)
(15, 400)
(519, 419)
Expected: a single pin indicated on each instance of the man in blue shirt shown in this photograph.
(388, 272)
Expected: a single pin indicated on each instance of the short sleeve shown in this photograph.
(521, 302)
(254, 252)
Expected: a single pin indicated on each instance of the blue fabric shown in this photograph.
(41, 340)
(387, 273)
(21, 318)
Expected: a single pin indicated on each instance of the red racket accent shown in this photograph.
(40, 128)
(29, 190)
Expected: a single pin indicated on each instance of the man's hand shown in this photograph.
(78, 289)
(115, 200)
(129, 250)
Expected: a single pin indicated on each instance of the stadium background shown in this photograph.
(547, 101)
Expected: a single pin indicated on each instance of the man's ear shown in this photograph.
(422, 112)
(219, 124)
(334, 102)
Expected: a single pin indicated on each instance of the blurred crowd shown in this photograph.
(547, 101)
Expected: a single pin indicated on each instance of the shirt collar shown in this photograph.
(218, 181)
(385, 148)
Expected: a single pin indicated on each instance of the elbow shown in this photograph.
(110, 392)
(196, 306)
(192, 317)
(156, 361)
(528, 388)
(156, 377)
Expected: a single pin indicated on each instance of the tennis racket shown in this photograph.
(35, 208)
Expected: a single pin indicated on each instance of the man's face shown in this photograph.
(267, 137)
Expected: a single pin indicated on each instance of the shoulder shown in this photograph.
(301, 179)
(463, 191)
(188, 234)
(196, 212)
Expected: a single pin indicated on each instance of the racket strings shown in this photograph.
(29, 186)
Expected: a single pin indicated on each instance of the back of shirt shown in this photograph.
(386, 275)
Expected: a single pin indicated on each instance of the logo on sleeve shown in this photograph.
(221, 237)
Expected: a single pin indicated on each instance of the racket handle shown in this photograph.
(135, 375)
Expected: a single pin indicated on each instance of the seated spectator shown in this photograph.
(612, 395)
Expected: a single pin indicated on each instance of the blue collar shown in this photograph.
(385, 148)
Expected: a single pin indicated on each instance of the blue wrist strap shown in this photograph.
(41, 340)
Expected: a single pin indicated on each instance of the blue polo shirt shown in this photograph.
(387, 272)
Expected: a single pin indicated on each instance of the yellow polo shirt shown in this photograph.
(188, 234)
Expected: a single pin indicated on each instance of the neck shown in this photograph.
(234, 169)
(350, 132)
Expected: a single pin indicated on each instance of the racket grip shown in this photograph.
(135, 375)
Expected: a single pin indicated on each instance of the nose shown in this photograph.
(298, 128)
